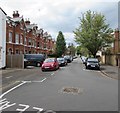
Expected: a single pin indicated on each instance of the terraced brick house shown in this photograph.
(23, 37)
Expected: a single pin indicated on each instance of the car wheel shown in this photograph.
(43, 70)
(56, 68)
(86, 67)
(98, 68)
(38, 64)
(25, 66)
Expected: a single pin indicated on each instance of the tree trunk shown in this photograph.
(94, 54)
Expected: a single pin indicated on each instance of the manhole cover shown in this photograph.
(72, 90)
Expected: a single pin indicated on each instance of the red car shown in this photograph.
(50, 64)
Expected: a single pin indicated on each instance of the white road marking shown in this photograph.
(49, 111)
(43, 80)
(34, 81)
(86, 69)
(91, 70)
(39, 109)
(98, 72)
(27, 81)
(23, 105)
(12, 89)
(23, 82)
(9, 77)
(52, 74)
(5, 104)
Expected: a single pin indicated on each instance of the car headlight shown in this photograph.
(25, 60)
(88, 64)
(98, 64)
(52, 65)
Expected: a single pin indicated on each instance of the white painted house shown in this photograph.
(2, 38)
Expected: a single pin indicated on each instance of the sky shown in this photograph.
(61, 15)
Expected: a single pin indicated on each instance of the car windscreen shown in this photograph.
(60, 59)
(67, 57)
(49, 60)
(92, 60)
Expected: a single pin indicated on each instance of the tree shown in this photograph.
(60, 44)
(82, 51)
(71, 49)
(93, 33)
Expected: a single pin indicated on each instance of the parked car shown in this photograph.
(62, 61)
(68, 58)
(92, 63)
(74, 57)
(50, 64)
(33, 60)
(83, 58)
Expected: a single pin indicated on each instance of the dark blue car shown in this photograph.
(33, 60)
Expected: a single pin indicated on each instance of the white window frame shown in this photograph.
(30, 42)
(10, 36)
(21, 52)
(10, 52)
(16, 52)
(17, 38)
(21, 39)
(25, 41)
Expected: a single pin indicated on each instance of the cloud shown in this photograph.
(54, 16)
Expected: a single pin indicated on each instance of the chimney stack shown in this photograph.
(27, 21)
(15, 14)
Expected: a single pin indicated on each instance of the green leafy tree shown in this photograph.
(78, 50)
(71, 49)
(60, 44)
(82, 51)
(93, 33)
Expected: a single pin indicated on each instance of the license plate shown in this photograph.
(92, 65)
(47, 67)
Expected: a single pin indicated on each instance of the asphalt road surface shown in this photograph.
(71, 88)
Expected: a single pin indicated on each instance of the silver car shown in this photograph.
(62, 61)
(92, 63)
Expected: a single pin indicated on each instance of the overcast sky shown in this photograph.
(61, 15)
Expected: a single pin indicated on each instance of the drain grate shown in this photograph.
(72, 90)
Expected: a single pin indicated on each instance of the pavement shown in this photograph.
(10, 70)
(107, 70)
(110, 71)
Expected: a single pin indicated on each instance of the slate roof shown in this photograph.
(17, 19)
(31, 26)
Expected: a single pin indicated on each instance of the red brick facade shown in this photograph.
(23, 37)
(117, 42)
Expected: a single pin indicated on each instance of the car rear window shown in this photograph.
(33, 57)
(92, 60)
(49, 60)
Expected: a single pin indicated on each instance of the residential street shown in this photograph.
(71, 88)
